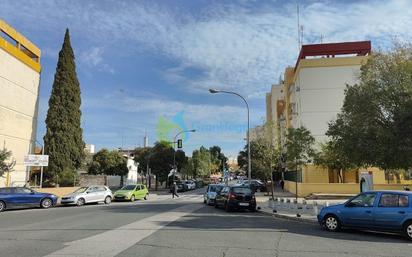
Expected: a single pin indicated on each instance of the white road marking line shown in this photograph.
(113, 242)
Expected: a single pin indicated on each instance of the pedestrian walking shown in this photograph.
(174, 190)
(282, 185)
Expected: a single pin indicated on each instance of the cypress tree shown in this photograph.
(63, 140)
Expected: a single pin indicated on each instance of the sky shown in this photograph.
(146, 66)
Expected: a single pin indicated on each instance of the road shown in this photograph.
(181, 227)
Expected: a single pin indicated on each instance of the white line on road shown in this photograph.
(113, 242)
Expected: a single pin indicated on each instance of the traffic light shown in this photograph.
(179, 143)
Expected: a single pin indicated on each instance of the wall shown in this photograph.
(315, 174)
(87, 180)
(321, 95)
(59, 191)
(305, 189)
(19, 87)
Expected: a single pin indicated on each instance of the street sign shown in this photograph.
(179, 143)
(36, 160)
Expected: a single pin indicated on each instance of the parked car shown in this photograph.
(131, 193)
(189, 184)
(236, 197)
(209, 196)
(22, 197)
(90, 194)
(257, 185)
(181, 187)
(373, 210)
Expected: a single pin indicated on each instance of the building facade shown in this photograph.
(312, 94)
(19, 99)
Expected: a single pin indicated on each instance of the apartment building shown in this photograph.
(19, 95)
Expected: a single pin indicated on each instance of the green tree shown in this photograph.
(4, 166)
(219, 158)
(161, 161)
(142, 155)
(202, 162)
(299, 147)
(264, 157)
(63, 140)
(188, 168)
(181, 159)
(109, 163)
(331, 156)
(373, 128)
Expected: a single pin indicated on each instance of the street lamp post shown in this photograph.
(249, 163)
(174, 147)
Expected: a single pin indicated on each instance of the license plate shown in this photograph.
(244, 204)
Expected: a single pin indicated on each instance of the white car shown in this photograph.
(90, 194)
(190, 185)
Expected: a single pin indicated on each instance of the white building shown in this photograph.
(19, 87)
(312, 92)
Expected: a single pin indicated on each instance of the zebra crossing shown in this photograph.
(182, 198)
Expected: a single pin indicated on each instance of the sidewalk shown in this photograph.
(285, 206)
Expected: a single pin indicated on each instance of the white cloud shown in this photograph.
(94, 57)
(234, 46)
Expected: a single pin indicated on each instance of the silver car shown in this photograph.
(90, 194)
(210, 195)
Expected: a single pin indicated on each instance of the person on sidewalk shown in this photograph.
(282, 185)
(174, 190)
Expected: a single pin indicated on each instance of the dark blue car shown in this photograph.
(373, 210)
(22, 197)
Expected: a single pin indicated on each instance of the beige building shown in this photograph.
(312, 92)
(19, 87)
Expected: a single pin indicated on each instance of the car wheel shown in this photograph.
(132, 198)
(2, 206)
(80, 202)
(46, 203)
(107, 200)
(145, 197)
(408, 230)
(331, 223)
(208, 202)
(204, 201)
(216, 205)
(252, 209)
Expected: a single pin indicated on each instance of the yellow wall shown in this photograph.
(59, 191)
(305, 189)
(314, 174)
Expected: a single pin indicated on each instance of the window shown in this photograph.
(393, 200)
(138, 187)
(128, 187)
(363, 200)
(100, 189)
(22, 190)
(242, 190)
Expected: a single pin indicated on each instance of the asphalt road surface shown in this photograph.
(182, 227)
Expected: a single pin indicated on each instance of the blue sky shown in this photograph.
(140, 60)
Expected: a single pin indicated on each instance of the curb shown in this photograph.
(288, 217)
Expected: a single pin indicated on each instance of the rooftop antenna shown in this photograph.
(321, 38)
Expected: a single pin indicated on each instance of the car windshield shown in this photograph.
(129, 187)
(81, 190)
(215, 188)
(242, 190)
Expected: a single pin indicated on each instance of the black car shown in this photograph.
(236, 197)
(256, 185)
